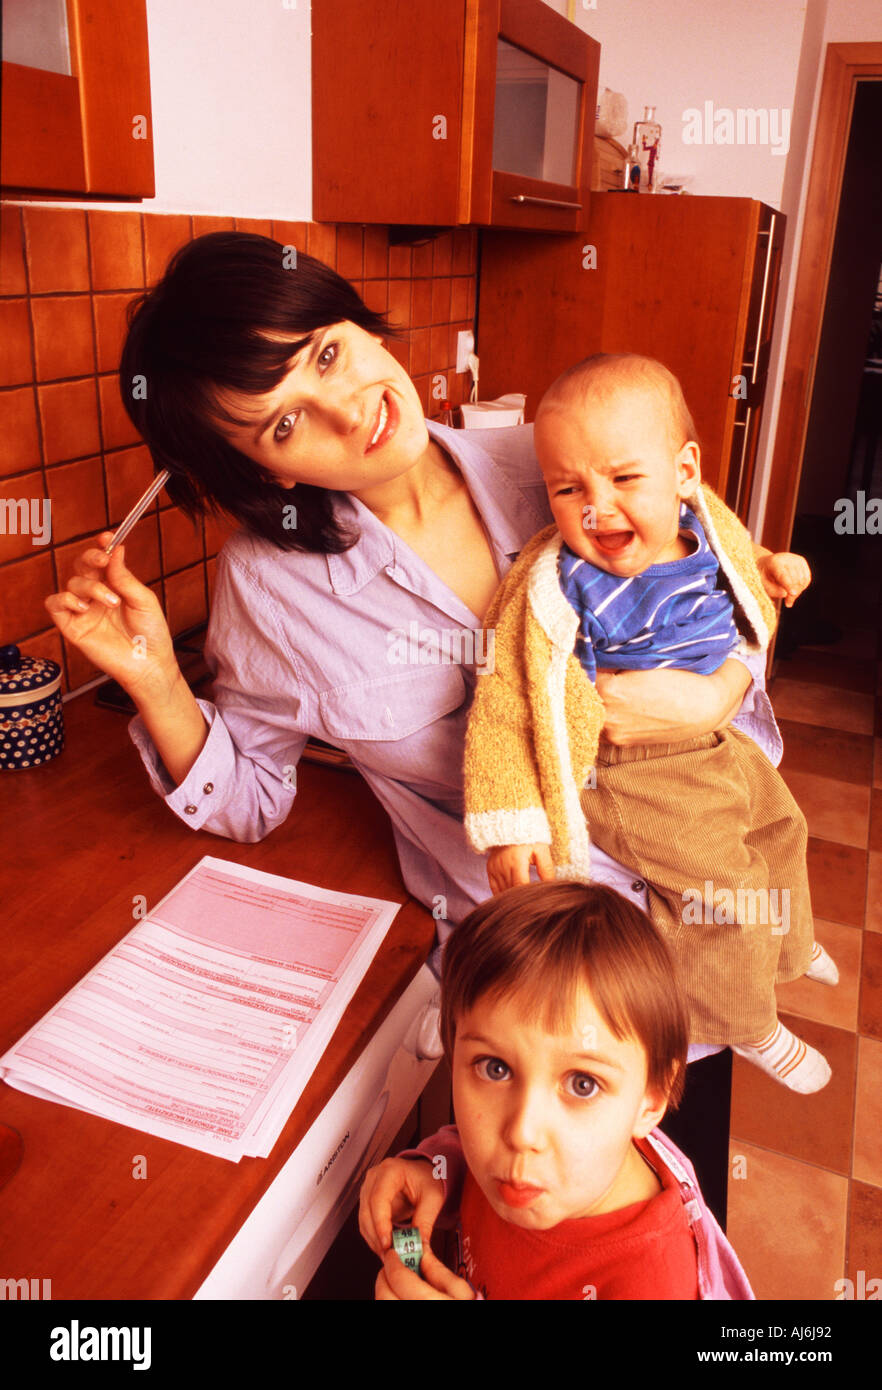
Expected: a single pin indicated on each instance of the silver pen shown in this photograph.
(137, 511)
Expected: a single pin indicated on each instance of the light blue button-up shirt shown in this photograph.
(351, 649)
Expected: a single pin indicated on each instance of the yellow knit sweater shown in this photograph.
(536, 719)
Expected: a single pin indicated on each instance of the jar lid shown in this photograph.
(23, 674)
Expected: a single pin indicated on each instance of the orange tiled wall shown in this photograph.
(66, 277)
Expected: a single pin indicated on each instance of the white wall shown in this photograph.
(678, 54)
(230, 89)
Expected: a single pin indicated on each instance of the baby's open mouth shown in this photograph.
(613, 541)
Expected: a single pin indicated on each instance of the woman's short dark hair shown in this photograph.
(228, 313)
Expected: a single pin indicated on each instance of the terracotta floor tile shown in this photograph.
(838, 877)
(350, 252)
(185, 604)
(838, 811)
(164, 233)
(877, 762)
(12, 269)
(874, 893)
(181, 540)
(321, 241)
(376, 253)
(129, 472)
(26, 519)
(26, 583)
(57, 251)
(442, 254)
(845, 673)
(867, 1159)
(870, 1016)
(839, 709)
(19, 440)
(77, 492)
(257, 226)
(63, 336)
(16, 363)
(865, 1239)
(69, 411)
(815, 1128)
(787, 1222)
(110, 328)
(827, 752)
(875, 840)
(115, 250)
(833, 1004)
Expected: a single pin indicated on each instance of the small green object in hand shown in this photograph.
(408, 1247)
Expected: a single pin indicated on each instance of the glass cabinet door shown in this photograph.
(536, 117)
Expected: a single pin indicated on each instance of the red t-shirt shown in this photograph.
(643, 1251)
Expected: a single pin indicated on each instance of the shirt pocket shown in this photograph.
(392, 707)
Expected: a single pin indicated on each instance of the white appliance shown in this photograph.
(284, 1240)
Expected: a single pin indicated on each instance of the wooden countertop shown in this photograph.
(82, 836)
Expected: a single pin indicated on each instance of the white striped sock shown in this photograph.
(788, 1059)
(823, 967)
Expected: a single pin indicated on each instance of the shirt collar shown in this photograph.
(510, 514)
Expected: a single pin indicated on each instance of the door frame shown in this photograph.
(846, 64)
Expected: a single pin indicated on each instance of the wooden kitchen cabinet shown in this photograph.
(691, 281)
(76, 111)
(452, 112)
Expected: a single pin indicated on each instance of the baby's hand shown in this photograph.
(396, 1282)
(399, 1189)
(509, 865)
(784, 576)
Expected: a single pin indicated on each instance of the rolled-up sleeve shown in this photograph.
(243, 782)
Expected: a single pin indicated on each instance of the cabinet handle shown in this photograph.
(762, 310)
(544, 202)
(742, 425)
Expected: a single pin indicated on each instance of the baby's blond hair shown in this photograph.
(605, 374)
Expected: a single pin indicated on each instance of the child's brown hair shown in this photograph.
(543, 940)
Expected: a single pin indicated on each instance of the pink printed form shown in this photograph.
(204, 1024)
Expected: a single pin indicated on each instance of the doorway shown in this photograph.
(838, 512)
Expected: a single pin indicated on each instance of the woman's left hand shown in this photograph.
(667, 705)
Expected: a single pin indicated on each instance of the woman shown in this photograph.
(267, 391)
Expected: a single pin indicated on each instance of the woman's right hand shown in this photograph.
(115, 621)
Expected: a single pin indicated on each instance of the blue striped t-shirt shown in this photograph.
(670, 615)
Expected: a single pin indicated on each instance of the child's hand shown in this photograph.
(396, 1282)
(399, 1189)
(509, 865)
(784, 576)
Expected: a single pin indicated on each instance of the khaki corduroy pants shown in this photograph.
(721, 843)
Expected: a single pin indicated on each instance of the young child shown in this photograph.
(646, 568)
(566, 1033)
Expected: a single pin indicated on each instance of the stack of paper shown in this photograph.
(206, 1021)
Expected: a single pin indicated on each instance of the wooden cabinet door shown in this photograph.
(90, 130)
(405, 106)
(665, 276)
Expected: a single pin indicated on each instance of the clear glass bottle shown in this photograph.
(647, 138)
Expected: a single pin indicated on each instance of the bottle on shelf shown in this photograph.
(647, 138)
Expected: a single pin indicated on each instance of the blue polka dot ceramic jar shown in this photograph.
(31, 720)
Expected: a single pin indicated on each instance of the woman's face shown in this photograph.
(347, 416)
